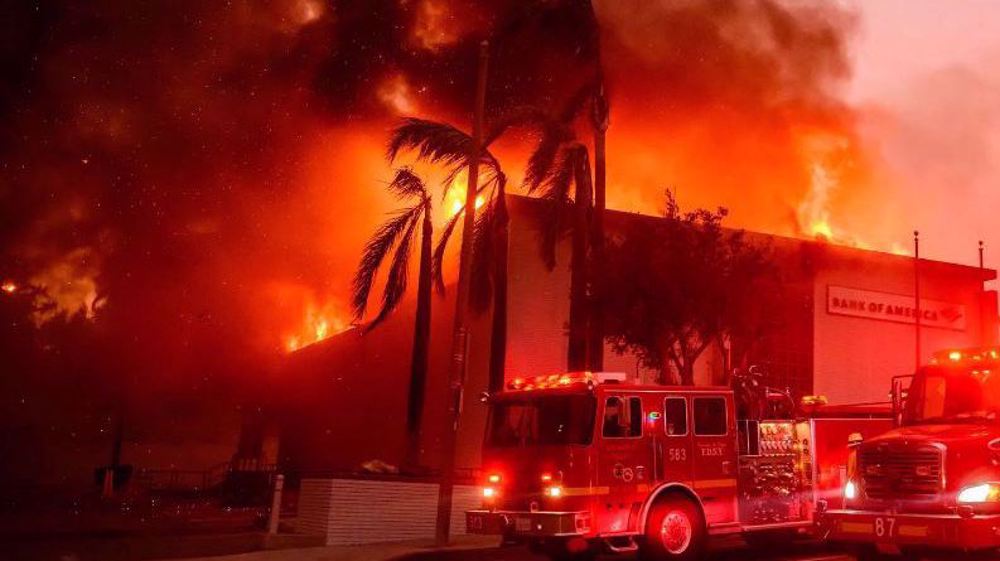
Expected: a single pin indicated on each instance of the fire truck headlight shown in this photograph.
(850, 491)
(554, 492)
(982, 493)
(489, 492)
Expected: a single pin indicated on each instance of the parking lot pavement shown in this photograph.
(804, 551)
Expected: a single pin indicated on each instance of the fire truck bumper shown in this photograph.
(527, 524)
(945, 531)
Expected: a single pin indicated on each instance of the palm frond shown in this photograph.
(437, 262)
(481, 286)
(543, 158)
(572, 162)
(380, 244)
(395, 282)
(495, 185)
(437, 143)
(406, 184)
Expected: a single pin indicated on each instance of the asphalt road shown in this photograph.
(803, 551)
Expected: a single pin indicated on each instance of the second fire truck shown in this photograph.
(933, 482)
(578, 463)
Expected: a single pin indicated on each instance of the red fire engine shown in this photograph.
(577, 462)
(934, 480)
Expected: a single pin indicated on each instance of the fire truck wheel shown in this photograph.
(675, 530)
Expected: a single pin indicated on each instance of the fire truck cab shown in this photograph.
(933, 482)
(576, 462)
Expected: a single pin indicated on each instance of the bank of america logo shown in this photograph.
(951, 314)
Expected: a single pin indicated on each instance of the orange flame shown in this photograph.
(9, 287)
(318, 324)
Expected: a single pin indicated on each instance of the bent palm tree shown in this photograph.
(398, 232)
(445, 145)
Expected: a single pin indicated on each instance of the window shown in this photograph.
(675, 416)
(540, 421)
(622, 417)
(710, 416)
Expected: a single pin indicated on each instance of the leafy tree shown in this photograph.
(398, 232)
(680, 284)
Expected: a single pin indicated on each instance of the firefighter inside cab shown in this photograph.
(575, 464)
(933, 482)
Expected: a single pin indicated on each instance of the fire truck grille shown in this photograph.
(901, 474)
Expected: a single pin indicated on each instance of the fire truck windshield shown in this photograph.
(540, 420)
(947, 395)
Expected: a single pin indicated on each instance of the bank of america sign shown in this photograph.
(899, 308)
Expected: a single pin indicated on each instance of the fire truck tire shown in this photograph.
(675, 530)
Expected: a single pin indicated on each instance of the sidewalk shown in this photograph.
(370, 552)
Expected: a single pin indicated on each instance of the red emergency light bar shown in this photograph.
(967, 356)
(565, 380)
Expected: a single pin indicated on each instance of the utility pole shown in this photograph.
(916, 296)
(460, 337)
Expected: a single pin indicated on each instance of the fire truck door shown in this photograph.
(624, 461)
(714, 430)
(672, 445)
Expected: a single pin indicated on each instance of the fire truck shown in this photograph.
(932, 482)
(582, 462)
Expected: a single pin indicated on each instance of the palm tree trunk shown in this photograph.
(421, 345)
(597, 237)
(577, 358)
(498, 333)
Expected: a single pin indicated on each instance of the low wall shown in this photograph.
(359, 511)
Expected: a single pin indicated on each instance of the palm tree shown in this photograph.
(445, 145)
(398, 232)
(599, 121)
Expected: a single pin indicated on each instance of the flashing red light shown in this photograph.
(564, 380)
(494, 478)
(555, 491)
(489, 492)
(546, 477)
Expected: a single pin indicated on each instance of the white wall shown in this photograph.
(355, 511)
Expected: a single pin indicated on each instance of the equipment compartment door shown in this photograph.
(715, 456)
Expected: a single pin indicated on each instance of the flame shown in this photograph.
(9, 287)
(457, 204)
(318, 324)
(455, 197)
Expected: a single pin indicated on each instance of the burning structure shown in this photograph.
(848, 328)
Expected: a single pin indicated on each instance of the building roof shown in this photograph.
(614, 219)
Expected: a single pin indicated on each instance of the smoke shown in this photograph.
(198, 178)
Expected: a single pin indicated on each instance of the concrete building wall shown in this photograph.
(855, 357)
